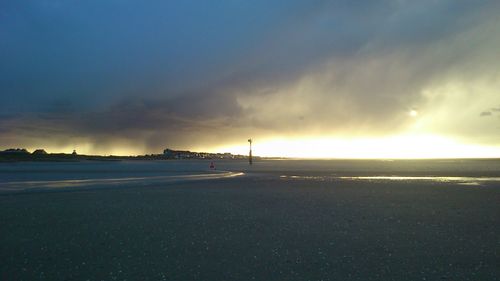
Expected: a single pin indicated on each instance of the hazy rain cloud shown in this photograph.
(188, 74)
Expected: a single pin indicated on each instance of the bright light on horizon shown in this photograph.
(397, 147)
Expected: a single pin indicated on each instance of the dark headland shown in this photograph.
(22, 154)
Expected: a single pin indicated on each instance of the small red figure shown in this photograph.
(212, 165)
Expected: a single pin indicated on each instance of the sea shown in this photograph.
(39, 176)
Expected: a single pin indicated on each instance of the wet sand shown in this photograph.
(254, 228)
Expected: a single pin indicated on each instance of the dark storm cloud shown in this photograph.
(190, 72)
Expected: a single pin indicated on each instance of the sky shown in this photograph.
(349, 79)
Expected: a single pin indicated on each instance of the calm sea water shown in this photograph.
(36, 175)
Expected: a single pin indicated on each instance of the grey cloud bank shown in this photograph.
(187, 74)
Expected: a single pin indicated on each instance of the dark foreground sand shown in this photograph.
(252, 228)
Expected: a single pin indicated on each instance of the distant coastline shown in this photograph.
(21, 154)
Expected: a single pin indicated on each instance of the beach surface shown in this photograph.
(276, 220)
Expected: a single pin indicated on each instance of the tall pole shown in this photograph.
(250, 153)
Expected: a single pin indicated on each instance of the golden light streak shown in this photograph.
(397, 147)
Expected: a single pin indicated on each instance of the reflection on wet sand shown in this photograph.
(456, 180)
(59, 184)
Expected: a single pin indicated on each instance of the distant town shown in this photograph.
(21, 154)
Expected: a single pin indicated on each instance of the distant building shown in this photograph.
(169, 153)
(178, 154)
(74, 152)
(184, 154)
(39, 152)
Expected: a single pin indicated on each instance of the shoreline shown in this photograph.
(15, 187)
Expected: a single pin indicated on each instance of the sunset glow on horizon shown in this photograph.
(395, 147)
(398, 147)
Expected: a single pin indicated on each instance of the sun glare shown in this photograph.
(399, 147)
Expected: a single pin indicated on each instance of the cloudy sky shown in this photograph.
(344, 77)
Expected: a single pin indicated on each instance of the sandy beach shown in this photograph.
(254, 227)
